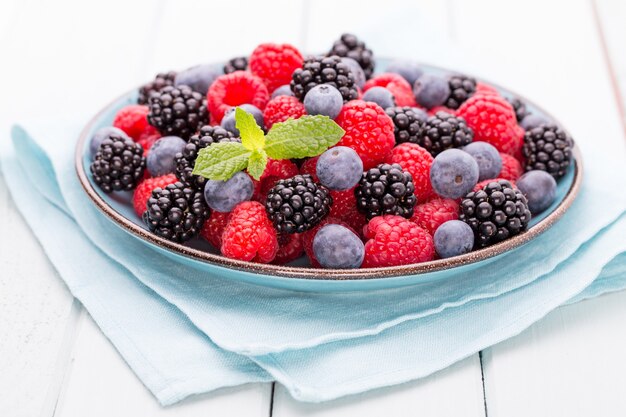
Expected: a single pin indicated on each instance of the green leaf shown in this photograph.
(301, 138)
(220, 161)
(252, 137)
(257, 163)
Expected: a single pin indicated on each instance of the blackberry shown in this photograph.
(495, 213)
(461, 88)
(118, 165)
(386, 189)
(350, 46)
(239, 63)
(161, 81)
(548, 148)
(519, 107)
(176, 212)
(444, 131)
(297, 204)
(177, 111)
(324, 70)
(186, 159)
(407, 124)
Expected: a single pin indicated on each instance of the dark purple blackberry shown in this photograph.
(350, 46)
(239, 63)
(186, 159)
(548, 148)
(519, 107)
(495, 213)
(407, 124)
(176, 212)
(444, 131)
(324, 70)
(461, 88)
(118, 165)
(386, 189)
(161, 81)
(177, 111)
(297, 204)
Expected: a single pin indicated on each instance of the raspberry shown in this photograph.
(275, 170)
(437, 109)
(290, 248)
(275, 63)
(310, 167)
(239, 87)
(356, 220)
(417, 161)
(482, 88)
(399, 87)
(144, 191)
(282, 108)
(133, 120)
(493, 120)
(511, 168)
(213, 228)
(344, 202)
(309, 235)
(434, 213)
(369, 131)
(481, 184)
(249, 234)
(147, 138)
(394, 240)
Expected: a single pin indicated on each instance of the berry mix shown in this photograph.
(277, 155)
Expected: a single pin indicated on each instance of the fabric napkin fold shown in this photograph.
(315, 343)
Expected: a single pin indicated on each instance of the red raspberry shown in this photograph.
(144, 190)
(399, 87)
(147, 138)
(356, 220)
(133, 120)
(511, 167)
(434, 213)
(213, 228)
(275, 63)
(394, 240)
(282, 108)
(493, 120)
(274, 170)
(310, 167)
(481, 184)
(234, 89)
(290, 248)
(482, 88)
(309, 235)
(369, 131)
(249, 234)
(436, 109)
(417, 161)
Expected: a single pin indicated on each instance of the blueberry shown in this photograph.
(453, 173)
(357, 71)
(101, 134)
(199, 78)
(160, 160)
(283, 90)
(431, 90)
(488, 159)
(410, 71)
(539, 187)
(531, 121)
(421, 114)
(223, 196)
(228, 122)
(323, 99)
(336, 246)
(453, 238)
(339, 168)
(381, 96)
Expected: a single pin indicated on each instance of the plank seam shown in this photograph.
(482, 377)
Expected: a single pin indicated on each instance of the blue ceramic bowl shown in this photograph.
(298, 275)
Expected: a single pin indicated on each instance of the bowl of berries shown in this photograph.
(328, 172)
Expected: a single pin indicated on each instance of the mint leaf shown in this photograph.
(301, 138)
(257, 163)
(220, 161)
(252, 137)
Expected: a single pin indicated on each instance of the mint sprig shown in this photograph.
(292, 139)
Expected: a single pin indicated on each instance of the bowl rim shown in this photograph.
(321, 273)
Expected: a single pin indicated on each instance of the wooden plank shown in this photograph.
(99, 383)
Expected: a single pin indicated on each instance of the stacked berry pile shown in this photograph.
(275, 155)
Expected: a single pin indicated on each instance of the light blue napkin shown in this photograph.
(315, 344)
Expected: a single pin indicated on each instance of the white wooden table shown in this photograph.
(68, 57)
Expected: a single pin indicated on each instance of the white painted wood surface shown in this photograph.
(53, 359)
